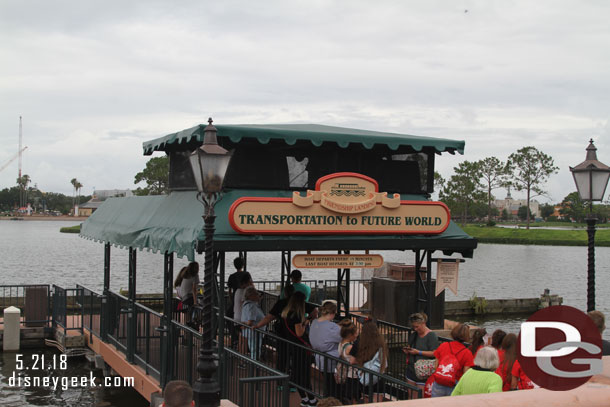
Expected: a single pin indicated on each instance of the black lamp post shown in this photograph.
(591, 178)
(209, 163)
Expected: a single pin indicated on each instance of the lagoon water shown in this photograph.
(34, 252)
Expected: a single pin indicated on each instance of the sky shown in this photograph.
(94, 80)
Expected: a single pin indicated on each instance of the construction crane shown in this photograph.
(13, 158)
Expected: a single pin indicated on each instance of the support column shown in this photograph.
(207, 389)
(430, 296)
(591, 264)
(221, 319)
(132, 323)
(166, 329)
(103, 317)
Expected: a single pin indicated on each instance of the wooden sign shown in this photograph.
(335, 261)
(447, 276)
(342, 203)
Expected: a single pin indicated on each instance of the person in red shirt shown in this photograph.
(477, 341)
(509, 346)
(520, 381)
(460, 333)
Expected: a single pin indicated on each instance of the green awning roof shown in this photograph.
(173, 223)
(163, 223)
(315, 133)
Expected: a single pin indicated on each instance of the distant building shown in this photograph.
(89, 207)
(98, 198)
(512, 205)
(102, 194)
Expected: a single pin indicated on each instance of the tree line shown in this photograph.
(19, 196)
(40, 201)
(469, 191)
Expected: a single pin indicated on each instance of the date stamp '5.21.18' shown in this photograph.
(51, 371)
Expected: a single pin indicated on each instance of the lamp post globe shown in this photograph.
(209, 164)
(591, 178)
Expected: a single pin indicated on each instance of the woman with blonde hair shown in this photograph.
(422, 344)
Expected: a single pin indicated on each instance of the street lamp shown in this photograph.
(591, 179)
(209, 163)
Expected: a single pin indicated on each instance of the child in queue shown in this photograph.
(346, 376)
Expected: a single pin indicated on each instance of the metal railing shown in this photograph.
(312, 372)
(117, 319)
(148, 341)
(327, 289)
(34, 301)
(92, 310)
(67, 309)
(249, 383)
(184, 352)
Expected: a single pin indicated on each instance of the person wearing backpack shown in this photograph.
(454, 359)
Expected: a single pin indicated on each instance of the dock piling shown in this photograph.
(12, 329)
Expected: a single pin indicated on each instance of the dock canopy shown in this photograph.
(173, 223)
(292, 133)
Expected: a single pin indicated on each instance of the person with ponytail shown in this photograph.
(509, 348)
(186, 283)
(186, 286)
(477, 340)
(295, 326)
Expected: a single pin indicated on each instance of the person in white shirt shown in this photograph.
(186, 286)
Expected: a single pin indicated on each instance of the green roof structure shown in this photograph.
(173, 223)
(292, 133)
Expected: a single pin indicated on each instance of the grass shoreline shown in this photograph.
(534, 236)
(70, 229)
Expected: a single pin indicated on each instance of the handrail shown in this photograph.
(294, 348)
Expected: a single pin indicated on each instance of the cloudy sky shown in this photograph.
(93, 80)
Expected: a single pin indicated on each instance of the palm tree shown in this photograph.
(23, 182)
(73, 181)
(78, 187)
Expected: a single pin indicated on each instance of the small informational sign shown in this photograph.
(344, 261)
(447, 276)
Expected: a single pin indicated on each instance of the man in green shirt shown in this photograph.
(295, 278)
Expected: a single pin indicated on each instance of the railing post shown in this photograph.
(132, 316)
(166, 332)
(104, 320)
(221, 321)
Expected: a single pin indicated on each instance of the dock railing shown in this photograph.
(34, 301)
(328, 289)
(117, 319)
(300, 360)
(67, 308)
(92, 310)
(249, 383)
